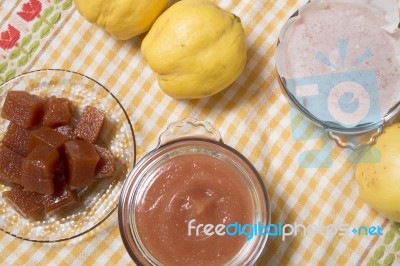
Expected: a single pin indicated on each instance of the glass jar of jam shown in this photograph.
(194, 201)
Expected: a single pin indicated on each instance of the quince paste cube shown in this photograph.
(17, 139)
(38, 169)
(23, 108)
(63, 197)
(57, 112)
(28, 204)
(90, 124)
(10, 167)
(82, 159)
(45, 135)
(106, 166)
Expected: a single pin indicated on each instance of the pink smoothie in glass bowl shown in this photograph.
(339, 63)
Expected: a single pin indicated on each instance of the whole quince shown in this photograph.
(196, 49)
(379, 183)
(123, 19)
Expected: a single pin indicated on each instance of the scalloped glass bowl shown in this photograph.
(98, 201)
(319, 74)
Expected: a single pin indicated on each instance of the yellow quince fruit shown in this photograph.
(123, 19)
(196, 49)
(379, 183)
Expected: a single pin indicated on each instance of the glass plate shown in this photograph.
(98, 201)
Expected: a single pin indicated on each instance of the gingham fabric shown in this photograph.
(253, 117)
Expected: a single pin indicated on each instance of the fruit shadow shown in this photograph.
(275, 241)
(133, 44)
(136, 41)
(253, 84)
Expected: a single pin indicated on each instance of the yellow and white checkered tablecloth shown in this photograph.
(253, 116)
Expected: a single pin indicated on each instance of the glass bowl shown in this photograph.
(192, 175)
(99, 200)
(342, 76)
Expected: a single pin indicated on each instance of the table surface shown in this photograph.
(253, 116)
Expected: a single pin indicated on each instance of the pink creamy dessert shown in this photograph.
(356, 38)
(187, 188)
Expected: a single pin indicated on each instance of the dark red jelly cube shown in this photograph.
(82, 159)
(63, 197)
(90, 124)
(106, 166)
(10, 167)
(43, 186)
(38, 169)
(23, 108)
(45, 135)
(17, 139)
(26, 203)
(57, 112)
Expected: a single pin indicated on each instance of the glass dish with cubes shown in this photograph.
(45, 158)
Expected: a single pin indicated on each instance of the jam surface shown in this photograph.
(188, 187)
